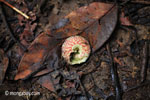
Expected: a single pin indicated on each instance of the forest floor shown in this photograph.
(129, 46)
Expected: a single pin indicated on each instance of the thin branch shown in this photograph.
(145, 62)
(14, 8)
(114, 75)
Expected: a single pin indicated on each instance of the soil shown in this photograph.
(127, 44)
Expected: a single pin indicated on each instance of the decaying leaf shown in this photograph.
(33, 60)
(47, 82)
(63, 83)
(3, 65)
(101, 30)
(95, 22)
(125, 20)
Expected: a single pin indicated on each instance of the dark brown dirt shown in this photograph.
(124, 41)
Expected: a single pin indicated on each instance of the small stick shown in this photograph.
(137, 86)
(118, 61)
(145, 62)
(140, 1)
(136, 1)
(14, 8)
(114, 75)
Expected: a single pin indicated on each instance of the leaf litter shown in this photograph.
(95, 22)
(4, 61)
(43, 58)
(97, 32)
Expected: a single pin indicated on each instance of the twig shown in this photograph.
(14, 8)
(140, 1)
(145, 62)
(9, 30)
(114, 75)
(138, 86)
(125, 2)
(135, 1)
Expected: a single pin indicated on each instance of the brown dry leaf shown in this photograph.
(95, 22)
(3, 65)
(46, 82)
(81, 19)
(124, 20)
(100, 31)
(38, 51)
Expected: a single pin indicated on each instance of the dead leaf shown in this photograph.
(38, 51)
(46, 82)
(95, 22)
(81, 19)
(44, 71)
(3, 65)
(100, 31)
(124, 19)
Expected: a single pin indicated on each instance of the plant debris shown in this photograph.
(31, 58)
(4, 61)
